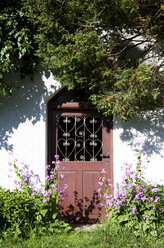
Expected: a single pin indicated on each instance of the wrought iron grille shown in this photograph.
(79, 138)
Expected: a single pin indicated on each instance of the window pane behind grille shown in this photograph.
(79, 138)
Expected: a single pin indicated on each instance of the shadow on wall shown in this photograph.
(26, 103)
(148, 128)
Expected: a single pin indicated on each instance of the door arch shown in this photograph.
(83, 139)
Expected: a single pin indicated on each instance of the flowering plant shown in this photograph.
(139, 203)
(33, 205)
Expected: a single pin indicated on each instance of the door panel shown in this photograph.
(72, 179)
(91, 199)
(82, 140)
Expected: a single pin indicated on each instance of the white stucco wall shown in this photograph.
(23, 132)
(23, 125)
(128, 138)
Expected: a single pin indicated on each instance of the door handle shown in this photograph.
(106, 156)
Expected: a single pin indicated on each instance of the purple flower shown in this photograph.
(61, 191)
(156, 199)
(154, 190)
(134, 210)
(38, 191)
(103, 171)
(51, 177)
(130, 186)
(57, 163)
(109, 203)
(100, 183)
(48, 167)
(55, 187)
(138, 196)
(44, 201)
(143, 144)
(52, 172)
(65, 186)
(56, 156)
(127, 173)
(117, 193)
(62, 176)
(47, 177)
(119, 202)
(46, 193)
(154, 207)
(147, 216)
(103, 179)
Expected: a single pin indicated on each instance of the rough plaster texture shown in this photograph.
(23, 132)
(128, 138)
(23, 125)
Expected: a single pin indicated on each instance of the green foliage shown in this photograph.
(29, 209)
(16, 43)
(138, 204)
(97, 47)
(107, 236)
(134, 90)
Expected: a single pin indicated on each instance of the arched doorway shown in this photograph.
(83, 139)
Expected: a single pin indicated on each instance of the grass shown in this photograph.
(106, 237)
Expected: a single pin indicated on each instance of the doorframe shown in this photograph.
(52, 104)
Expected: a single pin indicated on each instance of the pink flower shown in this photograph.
(62, 176)
(134, 210)
(55, 186)
(57, 162)
(48, 167)
(56, 156)
(44, 201)
(147, 216)
(65, 186)
(103, 171)
(100, 183)
(57, 166)
(156, 199)
(154, 190)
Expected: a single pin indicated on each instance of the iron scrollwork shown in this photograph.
(79, 138)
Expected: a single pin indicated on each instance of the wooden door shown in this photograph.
(83, 141)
